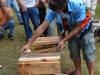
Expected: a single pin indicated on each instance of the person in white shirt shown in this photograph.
(28, 9)
(91, 4)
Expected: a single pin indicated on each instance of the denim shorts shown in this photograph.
(86, 44)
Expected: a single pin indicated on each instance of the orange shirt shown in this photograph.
(4, 18)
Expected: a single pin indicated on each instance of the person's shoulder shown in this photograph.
(75, 4)
(75, 1)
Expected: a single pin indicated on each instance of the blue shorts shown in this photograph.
(86, 44)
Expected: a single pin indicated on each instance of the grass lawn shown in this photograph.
(10, 52)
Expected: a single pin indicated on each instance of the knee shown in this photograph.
(12, 23)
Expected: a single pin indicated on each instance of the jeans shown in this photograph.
(14, 5)
(42, 14)
(10, 25)
(33, 14)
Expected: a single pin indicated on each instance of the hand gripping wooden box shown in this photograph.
(45, 44)
(39, 64)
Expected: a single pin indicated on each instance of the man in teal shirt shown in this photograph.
(79, 37)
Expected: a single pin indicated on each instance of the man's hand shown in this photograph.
(3, 5)
(61, 45)
(25, 48)
(24, 8)
(36, 5)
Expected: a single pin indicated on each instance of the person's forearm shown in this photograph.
(38, 32)
(20, 3)
(37, 1)
(72, 33)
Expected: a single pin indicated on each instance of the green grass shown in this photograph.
(10, 52)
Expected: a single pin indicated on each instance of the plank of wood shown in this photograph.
(29, 55)
(39, 68)
(39, 57)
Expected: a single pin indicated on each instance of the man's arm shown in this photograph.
(72, 34)
(93, 7)
(20, 3)
(24, 8)
(76, 30)
(37, 33)
(37, 3)
(49, 18)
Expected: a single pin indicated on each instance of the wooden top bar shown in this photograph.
(39, 57)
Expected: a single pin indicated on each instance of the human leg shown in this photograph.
(77, 63)
(16, 9)
(74, 49)
(1, 33)
(8, 3)
(88, 49)
(42, 13)
(10, 25)
(34, 15)
(25, 17)
(90, 66)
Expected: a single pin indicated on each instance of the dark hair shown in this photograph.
(57, 4)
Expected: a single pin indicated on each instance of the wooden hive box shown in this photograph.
(48, 44)
(39, 64)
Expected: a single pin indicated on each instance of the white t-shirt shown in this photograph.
(29, 3)
(87, 3)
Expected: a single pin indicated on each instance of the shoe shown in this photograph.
(11, 37)
(0, 66)
(21, 23)
(2, 36)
